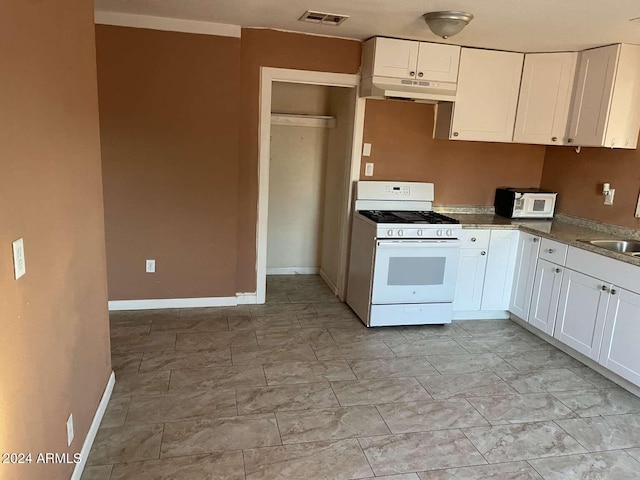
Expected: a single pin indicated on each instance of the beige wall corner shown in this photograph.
(54, 341)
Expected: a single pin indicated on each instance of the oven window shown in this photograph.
(416, 271)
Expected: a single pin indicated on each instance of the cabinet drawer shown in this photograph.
(475, 238)
(552, 251)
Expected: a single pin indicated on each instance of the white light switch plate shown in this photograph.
(150, 266)
(19, 266)
(368, 169)
(366, 150)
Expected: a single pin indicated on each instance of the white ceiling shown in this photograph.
(518, 25)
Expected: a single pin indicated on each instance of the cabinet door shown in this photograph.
(592, 96)
(473, 263)
(501, 266)
(581, 313)
(438, 62)
(528, 247)
(545, 95)
(546, 292)
(488, 85)
(620, 347)
(395, 58)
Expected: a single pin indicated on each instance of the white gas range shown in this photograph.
(404, 257)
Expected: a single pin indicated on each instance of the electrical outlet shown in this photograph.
(70, 430)
(368, 169)
(151, 266)
(608, 198)
(366, 150)
(638, 208)
(19, 266)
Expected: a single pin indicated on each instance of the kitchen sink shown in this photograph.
(631, 247)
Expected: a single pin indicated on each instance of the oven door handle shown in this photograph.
(449, 243)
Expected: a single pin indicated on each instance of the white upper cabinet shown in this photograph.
(606, 101)
(487, 97)
(389, 57)
(545, 98)
(438, 62)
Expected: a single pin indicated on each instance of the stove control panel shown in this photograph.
(402, 190)
(418, 233)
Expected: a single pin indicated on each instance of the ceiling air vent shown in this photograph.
(323, 18)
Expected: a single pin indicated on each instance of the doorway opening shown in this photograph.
(310, 139)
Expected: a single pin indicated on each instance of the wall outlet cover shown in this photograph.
(366, 150)
(19, 265)
(368, 169)
(608, 199)
(150, 266)
(70, 433)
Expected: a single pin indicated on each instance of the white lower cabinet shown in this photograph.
(546, 293)
(470, 281)
(471, 269)
(501, 265)
(528, 248)
(582, 312)
(620, 350)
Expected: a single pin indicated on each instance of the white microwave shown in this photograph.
(525, 202)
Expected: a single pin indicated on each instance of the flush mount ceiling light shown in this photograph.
(447, 23)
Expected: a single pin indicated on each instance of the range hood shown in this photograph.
(424, 91)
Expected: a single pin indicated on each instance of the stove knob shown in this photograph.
(420, 232)
(400, 233)
(439, 233)
(449, 232)
(390, 233)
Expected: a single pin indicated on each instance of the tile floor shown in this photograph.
(300, 389)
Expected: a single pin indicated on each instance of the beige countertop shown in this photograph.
(556, 229)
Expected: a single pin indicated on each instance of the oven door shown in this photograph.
(415, 271)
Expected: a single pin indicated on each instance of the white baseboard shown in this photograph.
(480, 315)
(328, 281)
(93, 429)
(115, 305)
(293, 271)
(247, 298)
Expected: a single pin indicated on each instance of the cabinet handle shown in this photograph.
(569, 140)
(473, 239)
(412, 74)
(613, 291)
(557, 270)
(604, 288)
(554, 139)
(483, 253)
(536, 239)
(551, 250)
(420, 74)
(455, 134)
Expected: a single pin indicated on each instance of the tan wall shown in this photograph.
(342, 103)
(54, 338)
(299, 98)
(169, 124)
(464, 173)
(296, 196)
(578, 179)
(271, 48)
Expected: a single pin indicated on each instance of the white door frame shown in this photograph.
(268, 75)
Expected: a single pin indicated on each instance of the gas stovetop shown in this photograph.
(422, 218)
